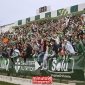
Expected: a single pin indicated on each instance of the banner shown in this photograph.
(72, 69)
(62, 12)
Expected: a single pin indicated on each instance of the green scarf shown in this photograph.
(59, 58)
(3, 60)
(49, 51)
(67, 58)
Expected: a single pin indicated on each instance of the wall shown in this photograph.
(6, 27)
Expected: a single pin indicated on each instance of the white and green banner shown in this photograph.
(71, 68)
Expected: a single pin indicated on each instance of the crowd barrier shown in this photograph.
(73, 69)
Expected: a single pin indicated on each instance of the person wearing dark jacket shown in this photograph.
(4, 52)
(28, 51)
(54, 46)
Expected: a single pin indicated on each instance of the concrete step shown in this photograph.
(22, 81)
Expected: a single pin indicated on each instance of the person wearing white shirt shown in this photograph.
(47, 54)
(83, 16)
(69, 47)
(15, 53)
(57, 39)
(67, 21)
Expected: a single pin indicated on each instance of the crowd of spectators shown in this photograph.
(62, 38)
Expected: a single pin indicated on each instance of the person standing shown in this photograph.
(68, 47)
(83, 18)
(28, 51)
(79, 46)
(43, 49)
(47, 54)
(54, 46)
(83, 39)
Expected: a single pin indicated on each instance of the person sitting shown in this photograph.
(15, 54)
(48, 53)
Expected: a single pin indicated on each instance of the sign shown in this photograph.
(42, 80)
(43, 9)
(72, 69)
(4, 64)
(30, 65)
(60, 66)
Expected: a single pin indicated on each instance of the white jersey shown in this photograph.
(15, 53)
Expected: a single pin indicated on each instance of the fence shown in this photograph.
(73, 69)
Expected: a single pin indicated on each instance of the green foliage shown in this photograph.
(80, 83)
(5, 83)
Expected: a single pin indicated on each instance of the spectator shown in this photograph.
(83, 18)
(15, 52)
(28, 48)
(84, 39)
(47, 54)
(54, 46)
(79, 46)
(69, 48)
(4, 52)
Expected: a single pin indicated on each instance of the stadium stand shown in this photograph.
(61, 36)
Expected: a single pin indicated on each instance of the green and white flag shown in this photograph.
(62, 12)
